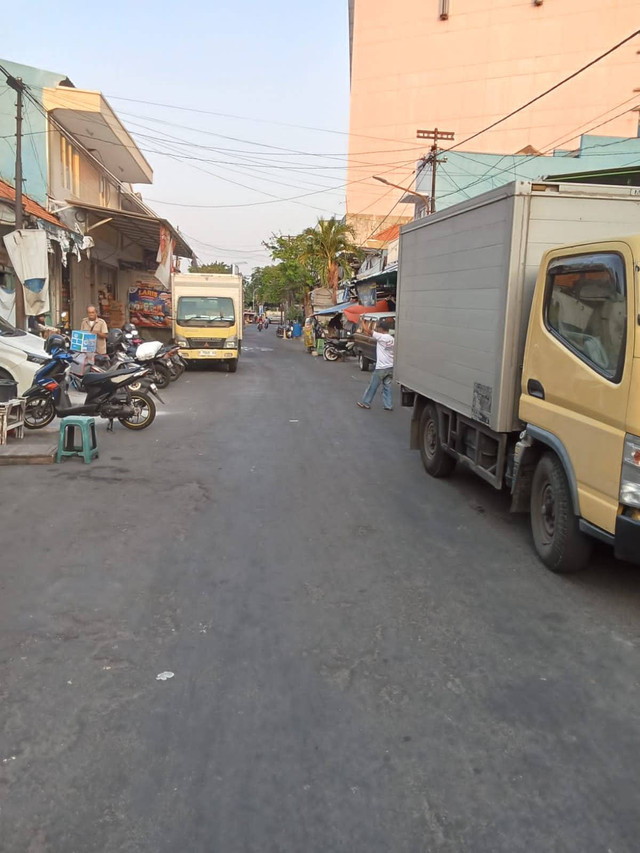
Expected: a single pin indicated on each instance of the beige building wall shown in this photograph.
(88, 182)
(411, 70)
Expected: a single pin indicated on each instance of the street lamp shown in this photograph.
(425, 198)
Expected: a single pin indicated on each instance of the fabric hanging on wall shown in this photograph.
(164, 256)
(8, 305)
(27, 249)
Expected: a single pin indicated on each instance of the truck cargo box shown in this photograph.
(466, 280)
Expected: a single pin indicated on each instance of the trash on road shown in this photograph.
(164, 676)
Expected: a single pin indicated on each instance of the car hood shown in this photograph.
(25, 343)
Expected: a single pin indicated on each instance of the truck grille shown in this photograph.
(206, 343)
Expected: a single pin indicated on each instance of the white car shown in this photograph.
(21, 355)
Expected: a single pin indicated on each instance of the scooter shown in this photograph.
(109, 395)
(334, 349)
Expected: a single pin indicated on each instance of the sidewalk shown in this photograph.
(38, 447)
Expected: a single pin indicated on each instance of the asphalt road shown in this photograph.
(364, 659)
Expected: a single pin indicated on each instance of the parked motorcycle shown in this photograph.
(109, 394)
(152, 354)
(336, 348)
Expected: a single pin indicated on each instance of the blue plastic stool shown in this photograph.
(88, 447)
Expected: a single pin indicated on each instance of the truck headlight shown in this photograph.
(232, 342)
(630, 477)
(182, 341)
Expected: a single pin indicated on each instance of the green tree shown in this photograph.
(215, 267)
(329, 247)
(291, 278)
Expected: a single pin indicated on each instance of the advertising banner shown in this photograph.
(150, 304)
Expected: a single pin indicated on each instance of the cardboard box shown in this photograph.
(83, 341)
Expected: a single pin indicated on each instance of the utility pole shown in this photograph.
(432, 157)
(18, 86)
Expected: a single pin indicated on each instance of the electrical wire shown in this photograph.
(545, 93)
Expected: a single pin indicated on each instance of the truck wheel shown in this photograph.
(435, 458)
(556, 534)
(232, 365)
(363, 363)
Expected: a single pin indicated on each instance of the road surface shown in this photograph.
(364, 659)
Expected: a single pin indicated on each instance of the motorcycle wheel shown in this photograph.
(39, 412)
(162, 377)
(330, 354)
(147, 412)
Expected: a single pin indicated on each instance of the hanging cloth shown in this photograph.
(8, 305)
(27, 249)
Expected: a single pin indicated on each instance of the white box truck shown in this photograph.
(207, 317)
(518, 347)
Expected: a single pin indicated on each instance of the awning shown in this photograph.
(334, 309)
(354, 311)
(141, 229)
(87, 116)
(386, 276)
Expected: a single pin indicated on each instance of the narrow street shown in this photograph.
(365, 659)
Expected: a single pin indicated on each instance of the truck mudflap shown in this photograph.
(627, 539)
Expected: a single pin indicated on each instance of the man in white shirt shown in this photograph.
(383, 372)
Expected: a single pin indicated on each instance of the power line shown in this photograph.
(545, 93)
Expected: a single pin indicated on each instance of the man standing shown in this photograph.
(96, 325)
(383, 372)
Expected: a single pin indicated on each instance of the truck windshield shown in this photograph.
(205, 311)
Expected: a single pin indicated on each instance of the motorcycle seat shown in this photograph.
(93, 378)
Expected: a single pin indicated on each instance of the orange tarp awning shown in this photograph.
(354, 311)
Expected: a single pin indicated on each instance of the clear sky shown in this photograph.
(273, 63)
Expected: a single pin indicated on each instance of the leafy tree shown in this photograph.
(215, 267)
(290, 280)
(329, 247)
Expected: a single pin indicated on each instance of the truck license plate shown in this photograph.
(209, 353)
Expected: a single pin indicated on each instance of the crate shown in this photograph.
(83, 341)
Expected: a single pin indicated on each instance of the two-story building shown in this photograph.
(80, 162)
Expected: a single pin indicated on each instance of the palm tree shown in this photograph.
(328, 248)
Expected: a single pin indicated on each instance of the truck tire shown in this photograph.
(554, 526)
(232, 364)
(437, 462)
(363, 363)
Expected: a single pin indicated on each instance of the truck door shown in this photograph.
(577, 367)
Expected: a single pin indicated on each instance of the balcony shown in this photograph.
(87, 117)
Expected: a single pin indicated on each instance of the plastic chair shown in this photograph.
(88, 447)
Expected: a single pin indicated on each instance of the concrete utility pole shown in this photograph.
(432, 158)
(18, 86)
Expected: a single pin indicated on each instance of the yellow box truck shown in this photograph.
(207, 317)
(518, 346)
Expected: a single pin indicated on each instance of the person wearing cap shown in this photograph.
(383, 373)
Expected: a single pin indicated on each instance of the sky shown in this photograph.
(279, 68)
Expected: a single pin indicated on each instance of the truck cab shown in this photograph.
(580, 394)
(208, 320)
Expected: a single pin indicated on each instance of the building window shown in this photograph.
(586, 309)
(444, 9)
(105, 191)
(70, 166)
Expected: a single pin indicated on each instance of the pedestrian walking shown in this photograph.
(383, 373)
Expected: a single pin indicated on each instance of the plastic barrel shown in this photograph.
(297, 330)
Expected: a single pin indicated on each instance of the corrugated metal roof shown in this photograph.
(8, 193)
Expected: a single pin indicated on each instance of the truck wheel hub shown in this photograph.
(548, 511)
(431, 438)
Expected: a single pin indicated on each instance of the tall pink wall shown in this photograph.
(411, 70)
